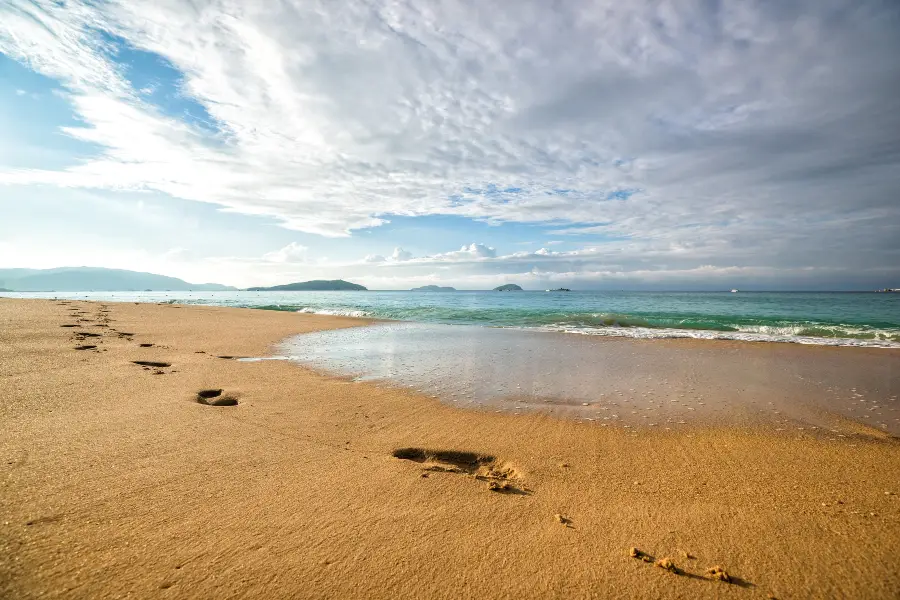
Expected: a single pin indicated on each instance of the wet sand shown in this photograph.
(620, 382)
(121, 479)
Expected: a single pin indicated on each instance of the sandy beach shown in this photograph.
(118, 482)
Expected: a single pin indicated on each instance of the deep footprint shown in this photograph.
(86, 347)
(482, 466)
(465, 462)
(151, 363)
(215, 398)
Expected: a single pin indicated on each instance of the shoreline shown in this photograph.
(756, 333)
(117, 481)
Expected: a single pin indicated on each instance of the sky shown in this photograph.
(591, 144)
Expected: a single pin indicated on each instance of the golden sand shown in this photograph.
(129, 471)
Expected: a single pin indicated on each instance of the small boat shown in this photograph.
(734, 291)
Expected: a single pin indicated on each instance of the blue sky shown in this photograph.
(601, 145)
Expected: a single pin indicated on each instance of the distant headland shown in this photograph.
(316, 285)
(433, 288)
(97, 279)
(509, 287)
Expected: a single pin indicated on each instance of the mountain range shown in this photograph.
(95, 279)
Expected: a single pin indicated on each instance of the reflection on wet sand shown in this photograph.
(620, 382)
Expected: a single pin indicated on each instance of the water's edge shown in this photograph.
(829, 319)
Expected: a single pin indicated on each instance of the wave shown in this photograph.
(648, 325)
(872, 340)
(334, 312)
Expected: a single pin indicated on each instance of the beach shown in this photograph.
(118, 482)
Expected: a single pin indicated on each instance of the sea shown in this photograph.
(821, 318)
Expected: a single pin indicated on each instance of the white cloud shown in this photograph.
(401, 255)
(472, 251)
(753, 133)
(291, 253)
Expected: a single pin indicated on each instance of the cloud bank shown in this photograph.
(688, 136)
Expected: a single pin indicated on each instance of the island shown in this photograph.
(509, 287)
(433, 288)
(316, 285)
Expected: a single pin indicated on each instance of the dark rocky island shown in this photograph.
(433, 288)
(509, 287)
(316, 285)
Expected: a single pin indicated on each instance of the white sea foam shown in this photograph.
(747, 333)
(334, 312)
(761, 334)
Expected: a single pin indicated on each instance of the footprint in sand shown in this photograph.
(216, 397)
(145, 345)
(480, 466)
(46, 519)
(70, 325)
(85, 347)
(152, 363)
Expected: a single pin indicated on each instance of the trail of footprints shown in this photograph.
(101, 320)
(206, 397)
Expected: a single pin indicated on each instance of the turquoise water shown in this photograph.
(866, 319)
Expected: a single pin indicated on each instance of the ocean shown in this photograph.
(824, 318)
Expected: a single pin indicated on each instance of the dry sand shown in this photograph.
(116, 482)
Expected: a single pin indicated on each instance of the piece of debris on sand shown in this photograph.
(718, 573)
(668, 564)
(639, 554)
(562, 519)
